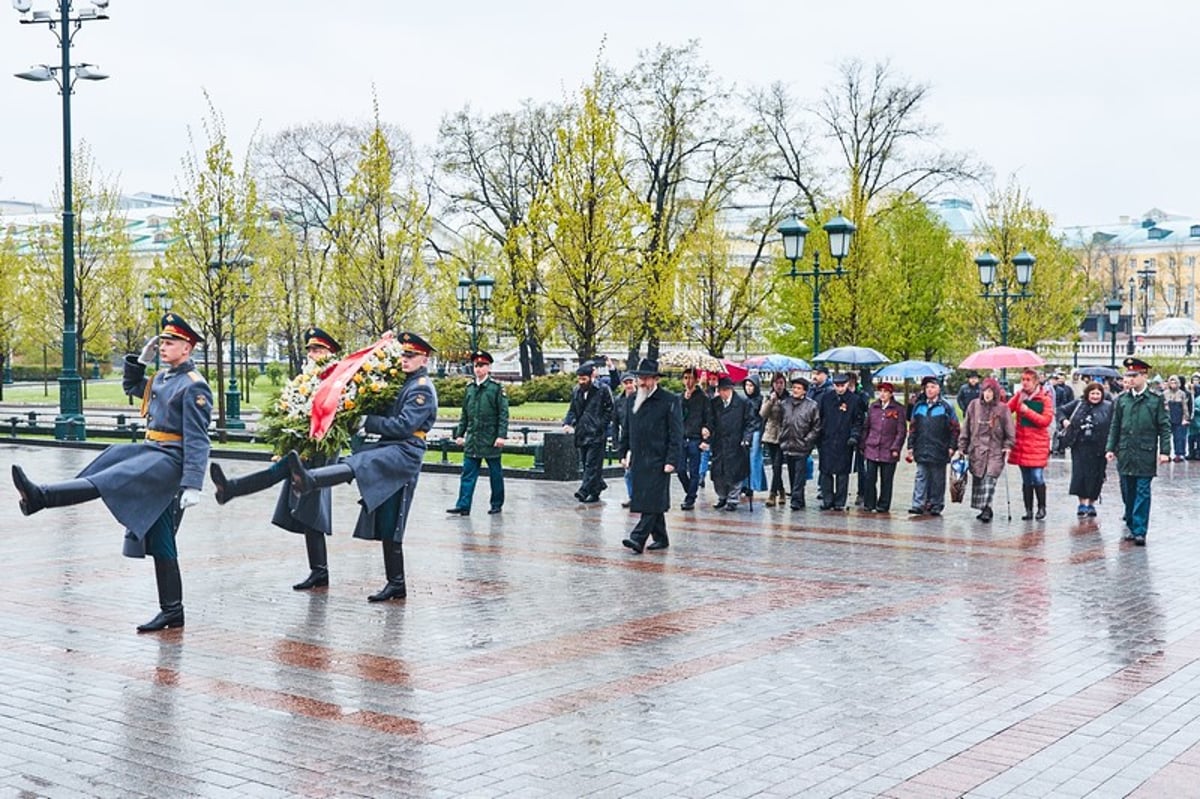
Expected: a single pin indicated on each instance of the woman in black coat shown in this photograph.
(1085, 431)
(651, 448)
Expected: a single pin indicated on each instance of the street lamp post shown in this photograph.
(474, 304)
(160, 301)
(1113, 306)
(1023, 265)
(792, 231)
(233, 398)
(69, 424)
(1146, 280)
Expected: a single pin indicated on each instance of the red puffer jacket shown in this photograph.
(1035, 414)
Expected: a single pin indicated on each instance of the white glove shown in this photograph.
(190, 497)
(361, 427)
(148, 351)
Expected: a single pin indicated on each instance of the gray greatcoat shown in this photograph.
(391, 467)
(653, 438)
(139, 482)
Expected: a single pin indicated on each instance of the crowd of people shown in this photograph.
(844, 434)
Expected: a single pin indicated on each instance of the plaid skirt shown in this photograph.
(982, 489)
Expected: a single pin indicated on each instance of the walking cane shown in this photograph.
(1007, 495)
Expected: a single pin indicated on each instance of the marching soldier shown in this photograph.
(308, 514)
(148, 486)
(386, 475)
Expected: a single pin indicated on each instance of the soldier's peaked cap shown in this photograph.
(316, 337)
(175, 326)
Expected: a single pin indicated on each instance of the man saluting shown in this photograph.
(148, 486)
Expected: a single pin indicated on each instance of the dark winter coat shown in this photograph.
(799, 426)
(841, 427)
(755, 399)
(933, 431)
(653, 438)
(966, 393)
(590, 414)
(697, 413)
(884, 430)
(1035, 414)
(1139, 423)
(1089, 424)
(733, 428)
(622, 404)
(484, 418)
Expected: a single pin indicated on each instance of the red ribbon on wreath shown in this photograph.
(329, 391)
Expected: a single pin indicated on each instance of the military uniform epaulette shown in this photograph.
(197, 377)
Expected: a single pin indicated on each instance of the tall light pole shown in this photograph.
(68, 425)
(1023, 266)
(156, 301)
(233, 398)
(1146, 281)
(1113, 306)
(474, 304)
(841, 232)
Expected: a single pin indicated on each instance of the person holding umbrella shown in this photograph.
(986, 438)
(1034, 406)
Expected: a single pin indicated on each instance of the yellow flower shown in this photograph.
(349, 405)
(358, 378)
(376, 387)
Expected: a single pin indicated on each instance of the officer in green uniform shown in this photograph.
(385, 474)
(1139, 422)
(481, 431)
(311, 515)
(147, 486)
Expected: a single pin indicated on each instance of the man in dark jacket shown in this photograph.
(697, 427)
(799, 430)
(1139, 422)
(588, 417)
(841, 423)
(932, 437)
(481, 430)
(622, 405)
(730, 442)
(651, 448)
(968, 391)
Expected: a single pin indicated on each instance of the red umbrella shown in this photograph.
(736, 372)
(1002, 358)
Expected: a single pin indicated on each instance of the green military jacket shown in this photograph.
(1140, 431)
(484, 419)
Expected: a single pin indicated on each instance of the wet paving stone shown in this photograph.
(765, 653)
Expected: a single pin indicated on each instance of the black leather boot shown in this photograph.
(1027, 495)
(306, 481)
(319, 576)
(229, 487)
(170, 597)
(393, 564)
(35, 497)
(1040, 493)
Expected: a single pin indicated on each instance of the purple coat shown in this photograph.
(883, 432)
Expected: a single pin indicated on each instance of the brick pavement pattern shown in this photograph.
(772, 653)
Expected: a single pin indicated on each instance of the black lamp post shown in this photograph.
(841, 232)
(160, 301)
(1023, 264)
(233, 398)
(69, 422)
(1113, 306)
(474, 304)
(1146, 282)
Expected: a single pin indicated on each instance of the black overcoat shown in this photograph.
(653, 438)
(841, 424)
(730, 441)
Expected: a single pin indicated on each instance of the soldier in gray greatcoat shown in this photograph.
(308, 514)
(148, 486)
(386, 474)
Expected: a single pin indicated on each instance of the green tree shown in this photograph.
(209, 269)
(12, 281)
(381, 231)
(590, 219)
(1059, 285)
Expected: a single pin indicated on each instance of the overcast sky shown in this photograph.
(1093, 105)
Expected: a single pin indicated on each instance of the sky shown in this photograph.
(1092, 106)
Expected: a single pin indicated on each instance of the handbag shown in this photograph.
(958, 478)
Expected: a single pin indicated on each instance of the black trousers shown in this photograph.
(798, 477)
(651, 525)
(591, 457)
(833, 489)
(885, 474)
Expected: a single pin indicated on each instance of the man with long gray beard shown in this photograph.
(651, 448)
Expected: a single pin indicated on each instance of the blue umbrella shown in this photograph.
(1097, 371)
(777, 363)
(912, 370)
(854, 356)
